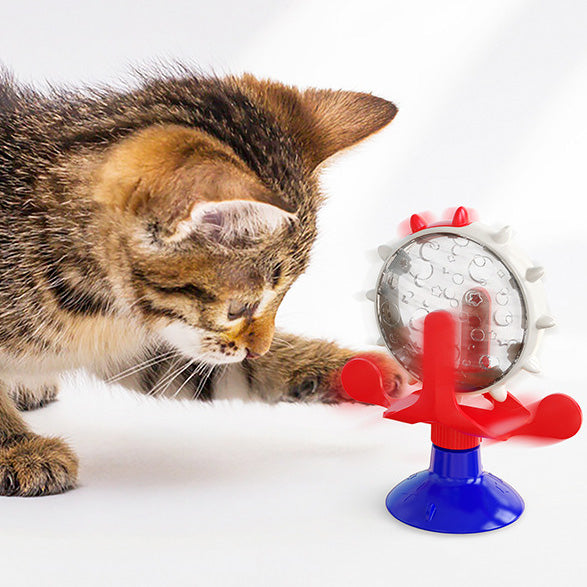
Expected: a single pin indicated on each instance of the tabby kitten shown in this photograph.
(151, 235)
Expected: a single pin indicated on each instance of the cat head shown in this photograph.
(218, 216)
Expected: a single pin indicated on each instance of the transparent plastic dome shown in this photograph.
(445, 271)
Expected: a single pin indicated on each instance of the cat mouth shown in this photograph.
(220, 352)
(201, 345)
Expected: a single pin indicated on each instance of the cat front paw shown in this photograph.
(33, 465)
(395, 380)
(298, 369)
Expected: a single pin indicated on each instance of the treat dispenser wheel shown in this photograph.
(462, 309)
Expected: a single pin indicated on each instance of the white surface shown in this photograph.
(244, 494)
(492, 115)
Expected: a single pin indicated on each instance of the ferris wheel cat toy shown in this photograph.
(462, 309)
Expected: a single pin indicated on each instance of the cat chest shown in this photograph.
(92, 341)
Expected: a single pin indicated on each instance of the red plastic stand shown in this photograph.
(456, 426)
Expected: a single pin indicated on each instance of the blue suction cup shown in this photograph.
(455, 496)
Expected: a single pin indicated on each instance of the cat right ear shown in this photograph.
(184, 182)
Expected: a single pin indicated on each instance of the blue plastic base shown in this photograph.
(455, 496)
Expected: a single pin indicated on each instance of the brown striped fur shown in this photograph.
(150, 235)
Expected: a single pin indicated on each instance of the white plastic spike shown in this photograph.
(499, 394)
(532, 365)
(503, 236)
(384, 251)
(545, 321)
(534, 274)
(370, 295)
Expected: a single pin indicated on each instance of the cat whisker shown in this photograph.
(177, 373)
(170, 373)
(194, 372)
(283, 341)
(202, 382)
(141, 366)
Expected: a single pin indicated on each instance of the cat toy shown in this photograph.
(462, 309)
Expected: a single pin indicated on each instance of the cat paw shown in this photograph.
(34, 465)
(26, 399)
(298, 369)
(395, 380)
(322, 380)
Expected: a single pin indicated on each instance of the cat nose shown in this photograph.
(252, 355)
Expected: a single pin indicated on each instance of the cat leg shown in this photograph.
(31, 464)
(298, 369)
(30, 395)
(295, 369)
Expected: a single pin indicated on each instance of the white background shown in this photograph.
(492, 99)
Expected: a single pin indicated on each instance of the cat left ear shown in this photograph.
(231, 222)
(323, 122)
(335, 120)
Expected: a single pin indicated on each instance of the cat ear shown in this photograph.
(322, 121)
(231, 222)
(335, 120)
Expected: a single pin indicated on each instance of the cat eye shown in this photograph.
(237, 309)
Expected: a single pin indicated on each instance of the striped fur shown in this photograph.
(149, 235)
